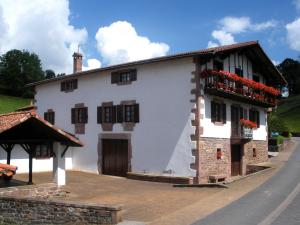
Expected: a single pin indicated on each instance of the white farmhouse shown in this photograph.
(200, 114)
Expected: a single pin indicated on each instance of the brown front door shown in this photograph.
(115, 157)
(235, 160)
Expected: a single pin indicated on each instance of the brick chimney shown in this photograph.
(77, 62)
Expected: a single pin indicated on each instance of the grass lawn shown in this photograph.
(10, 104)
(289, 112)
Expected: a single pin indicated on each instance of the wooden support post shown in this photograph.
(8, 148)
(30, 167)
(8, 157)
(30, 149)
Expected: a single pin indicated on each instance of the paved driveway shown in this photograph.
(141, 200)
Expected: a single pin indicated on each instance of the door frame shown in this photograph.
(122, 136)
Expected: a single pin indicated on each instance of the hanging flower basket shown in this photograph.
(248, 124)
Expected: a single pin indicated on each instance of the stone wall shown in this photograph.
(33, 211)
(209, 164)
(261, 148)
(41, 191)
(35, 205)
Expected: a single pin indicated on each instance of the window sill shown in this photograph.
(218, 123)
(124, 83)
(107, 126)
(128, 126)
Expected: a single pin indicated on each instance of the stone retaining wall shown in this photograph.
(34, 204)
(160, 178)
(41, 191)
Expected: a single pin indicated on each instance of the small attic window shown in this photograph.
(123, 77)
(68, 85)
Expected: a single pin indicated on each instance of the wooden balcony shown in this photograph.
(224, 84)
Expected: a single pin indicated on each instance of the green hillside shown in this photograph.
(10, 104)
(289, 112)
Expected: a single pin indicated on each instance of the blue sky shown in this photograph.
(116, 31)
(187, 25)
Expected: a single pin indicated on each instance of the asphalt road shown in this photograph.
(276, 202)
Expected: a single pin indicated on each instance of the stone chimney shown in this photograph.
(77, 62)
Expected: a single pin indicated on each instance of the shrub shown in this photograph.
(277, 125)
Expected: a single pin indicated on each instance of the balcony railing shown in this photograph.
(242, 132)
(232, 86)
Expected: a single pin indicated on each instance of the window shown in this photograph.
(50, 117)
(219, 154)
(68, 85)
(218, 112)
(254, 116)
(239, 72)
(128, 113)
(218, 65)
(123, 77)
(254, 152)
(108, 114)
(43, 151)
(79, 115)
(256, 78)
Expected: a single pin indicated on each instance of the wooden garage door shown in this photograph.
(115, 157)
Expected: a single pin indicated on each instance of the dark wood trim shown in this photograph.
(64, 151)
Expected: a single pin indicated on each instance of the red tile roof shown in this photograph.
(169, 57)
(10, 120)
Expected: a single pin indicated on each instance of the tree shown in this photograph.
(19, 68)
(49, 74)
(290, 69)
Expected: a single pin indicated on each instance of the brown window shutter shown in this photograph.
(85, 113)
(114, 114)
(75, 84)
(257, 119)
(245, 114)
(73, 115)
(251, 115)
(53, 118)
(120, 113)
(133, 75)
(224, 113)
(213, 111)
(241, 112)
(115, 77)
(45, 116)
(136, 113)
(63, 86)
(99, 114)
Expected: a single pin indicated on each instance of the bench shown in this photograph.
(216, 178)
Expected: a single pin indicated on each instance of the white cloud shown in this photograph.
(264, 25)
(92, 64)
(223, 37)
(119, 43)
(275, 62)
(212, 44)
(293, 34)
(235, 24)
(229, 26)
(42, 27)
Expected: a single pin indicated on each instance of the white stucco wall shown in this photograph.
(224, 131)
(161, 141)
(19, 158)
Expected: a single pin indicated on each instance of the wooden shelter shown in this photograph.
(30, 131)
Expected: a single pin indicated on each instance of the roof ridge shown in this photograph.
(17, 112)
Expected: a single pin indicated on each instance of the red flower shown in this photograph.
(247, 82)
(248, 123)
